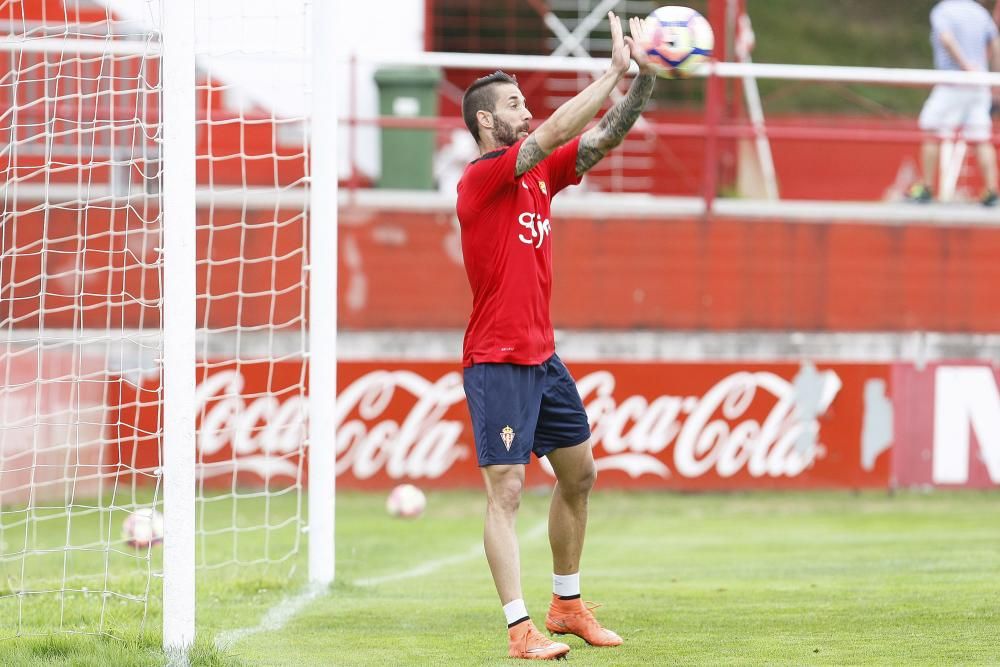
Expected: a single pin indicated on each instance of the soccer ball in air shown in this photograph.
(143, 528)
(677, 40)
(406, 501)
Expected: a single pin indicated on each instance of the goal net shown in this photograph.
(82, 286)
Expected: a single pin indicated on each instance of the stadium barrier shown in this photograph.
(403, 270)
(656, 425)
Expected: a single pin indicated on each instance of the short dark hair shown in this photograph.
(478, 97)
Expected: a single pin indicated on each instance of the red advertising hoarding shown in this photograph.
(52, 428)
(655, 425)
(679, 426)
(947, 425)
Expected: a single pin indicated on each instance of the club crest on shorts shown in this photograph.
(507, 435)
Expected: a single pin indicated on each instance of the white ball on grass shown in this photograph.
(142, 528)
(406, 501)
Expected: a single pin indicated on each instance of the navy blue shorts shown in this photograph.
(518, 409)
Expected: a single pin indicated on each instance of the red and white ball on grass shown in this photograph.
(406, 502)
(142, 528)
(677, 40)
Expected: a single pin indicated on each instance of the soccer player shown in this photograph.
(520, 396)
(964, 36)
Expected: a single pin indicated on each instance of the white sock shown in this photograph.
(515, 611)
(564, 585)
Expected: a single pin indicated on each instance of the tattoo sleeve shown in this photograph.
(529, 155)
(615, 124)
(588, 153)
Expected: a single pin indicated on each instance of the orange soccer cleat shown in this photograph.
(527, 642)
(573, 617)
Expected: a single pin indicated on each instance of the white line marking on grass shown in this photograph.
(436, 564)
(278, 616)
(275, 619)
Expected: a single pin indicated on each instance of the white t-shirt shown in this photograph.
(971, 26)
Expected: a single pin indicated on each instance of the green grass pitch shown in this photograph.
(702, 579)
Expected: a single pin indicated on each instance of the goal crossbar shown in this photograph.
(81, 45)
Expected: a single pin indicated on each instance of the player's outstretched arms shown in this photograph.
(570, 119)
(610, 132)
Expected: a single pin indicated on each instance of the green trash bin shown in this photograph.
(407, 155)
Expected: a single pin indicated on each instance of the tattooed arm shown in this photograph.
(622, 116)
(610, 132)
(563, 125)
(570, 118)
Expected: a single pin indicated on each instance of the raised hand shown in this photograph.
(636, 28)
(620, 51)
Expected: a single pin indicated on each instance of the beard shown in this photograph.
(505, 134)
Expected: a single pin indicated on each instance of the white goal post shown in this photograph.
(166, 187)
(180, 295)
(323, 202)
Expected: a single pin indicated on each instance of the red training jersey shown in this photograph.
(507, 246)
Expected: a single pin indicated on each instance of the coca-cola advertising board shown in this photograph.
(684, 426)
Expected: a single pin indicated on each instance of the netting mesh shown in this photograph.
(252, 159)
(79, 313)
(81, 286)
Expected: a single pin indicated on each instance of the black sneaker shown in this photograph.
(920, 194)
(989, 198)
